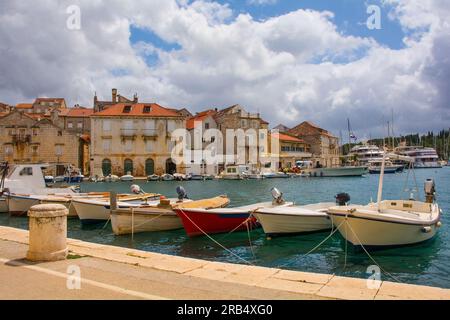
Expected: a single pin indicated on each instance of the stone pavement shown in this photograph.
(109, 272)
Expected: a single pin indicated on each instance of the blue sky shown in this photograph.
(350, 17)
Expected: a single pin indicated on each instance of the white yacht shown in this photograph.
(423, 157)
(366, 153)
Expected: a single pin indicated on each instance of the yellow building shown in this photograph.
(26, 138)
(290, 150)
(134, 138)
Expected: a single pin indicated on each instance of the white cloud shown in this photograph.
(282, 67)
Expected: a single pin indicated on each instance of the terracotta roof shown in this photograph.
(199, 117)
(285, 137)
(24, 106)
(136, 110)
(77, 112)
(60, 100)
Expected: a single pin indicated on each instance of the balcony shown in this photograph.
(128, 133)
(21, 138)
(149, 133)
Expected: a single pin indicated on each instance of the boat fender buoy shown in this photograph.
(438, 224)
(426, 229)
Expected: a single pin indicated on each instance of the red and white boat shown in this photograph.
(197, 222)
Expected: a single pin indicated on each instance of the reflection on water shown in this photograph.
(427, 264)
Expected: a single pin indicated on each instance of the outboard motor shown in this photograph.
(342, 199)
(277, 196)
(181, 193)
(430, 190)
(136, 189)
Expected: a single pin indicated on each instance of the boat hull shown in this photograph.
(338, 172)
(199, 223)
(280, 224)
(148, 220)
(377, 233)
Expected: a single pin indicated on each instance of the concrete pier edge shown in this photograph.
(285, 282)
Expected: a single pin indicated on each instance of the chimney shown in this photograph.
(54, 115)
(135, 98)
(114, 95)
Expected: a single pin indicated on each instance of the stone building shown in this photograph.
(324, 145)
(4, 108)
(115, 98)
(236, 117)
(43, 106)
(76, 119)
(135, 138)
(290, 149)
(197, 127)
(26, 138)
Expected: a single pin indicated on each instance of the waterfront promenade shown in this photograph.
(109, 272)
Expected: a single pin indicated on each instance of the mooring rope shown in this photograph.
(316, 247)
(368, 254)
(215, 241)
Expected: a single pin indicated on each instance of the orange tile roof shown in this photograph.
(198, 118)
(285, 137)
(24, 106)
(77, 112)
(136, 110)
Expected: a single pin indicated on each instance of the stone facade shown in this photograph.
(236, 117)
(290, 149)
(43, 106)
(197, 127)
(26, 139)
(324, 146)
(134, 138)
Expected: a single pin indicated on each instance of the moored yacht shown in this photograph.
(423, 157)
(364, 154)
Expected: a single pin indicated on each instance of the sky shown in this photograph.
(290, 60)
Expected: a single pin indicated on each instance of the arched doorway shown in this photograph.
(106, 167)
(170, 166)
(149, 167)
(128, 166)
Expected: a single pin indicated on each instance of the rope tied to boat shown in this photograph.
(214, 240)
(368, 254)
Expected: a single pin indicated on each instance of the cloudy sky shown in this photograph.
(290, 60)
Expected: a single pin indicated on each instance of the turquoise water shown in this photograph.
(426, 264)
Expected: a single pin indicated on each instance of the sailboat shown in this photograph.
(389, 222)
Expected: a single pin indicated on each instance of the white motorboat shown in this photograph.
(389, 222)
(159, 217)
(97, 210)
(19, 204)
(153, 177)
(389, 167)
(167, 177)
(111, 178)
(348, 171)
(294, 219)
(127, 177)
(197, 177)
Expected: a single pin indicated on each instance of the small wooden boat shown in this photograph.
(98, 210)
(153, 177)
(390, 222)
(127, 177)
(167, 177)
(158, 217)
(111, 178)
(197, 222)
(295, 219)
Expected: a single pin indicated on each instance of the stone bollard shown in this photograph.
(48, 232)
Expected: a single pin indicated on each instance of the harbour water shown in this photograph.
(425, 264)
